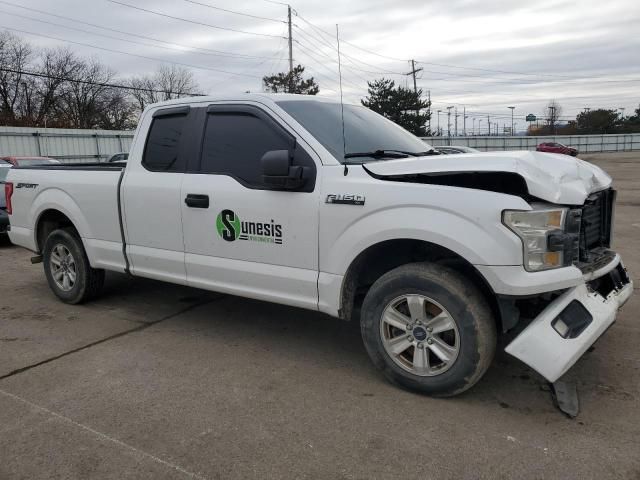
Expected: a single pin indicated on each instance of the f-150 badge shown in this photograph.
(345, 199)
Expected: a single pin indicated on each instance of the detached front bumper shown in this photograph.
(570, 324)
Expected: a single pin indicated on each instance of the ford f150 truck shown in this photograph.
(299, 201)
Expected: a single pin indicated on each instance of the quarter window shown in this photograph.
(162, 150)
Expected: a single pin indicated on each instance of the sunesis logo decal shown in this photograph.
(231, 228)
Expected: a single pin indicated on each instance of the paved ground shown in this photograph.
(159, 381)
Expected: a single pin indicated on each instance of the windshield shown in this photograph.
(364, 130)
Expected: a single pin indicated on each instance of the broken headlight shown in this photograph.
(543, 234)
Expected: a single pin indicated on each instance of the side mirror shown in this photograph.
(277, 170)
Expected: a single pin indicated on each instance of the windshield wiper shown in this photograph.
(433, 151)
(379, 154)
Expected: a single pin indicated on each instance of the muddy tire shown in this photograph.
(428, 329)
(67, 268)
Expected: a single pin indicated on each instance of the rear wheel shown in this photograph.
(67, 268)
(428, 329)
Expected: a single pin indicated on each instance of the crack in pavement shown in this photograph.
(106, 339)
(104, 436)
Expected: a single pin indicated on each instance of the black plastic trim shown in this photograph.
(127, 269)
(165, 112)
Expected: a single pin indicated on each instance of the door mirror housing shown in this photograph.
(278, 172)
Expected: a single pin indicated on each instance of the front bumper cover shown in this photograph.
(543, 347)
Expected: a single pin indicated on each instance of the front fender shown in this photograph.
(479, 240)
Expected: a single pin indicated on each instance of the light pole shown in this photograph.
(512, 109)
(449, 123)
(439, 111)
(479, 126)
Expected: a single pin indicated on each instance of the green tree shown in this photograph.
(631, 124)
(597, 121)
(290, 82)
(400, 105)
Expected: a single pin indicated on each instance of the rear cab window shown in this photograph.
(162, 152)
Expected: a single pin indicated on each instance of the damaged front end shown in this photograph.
(569, 324)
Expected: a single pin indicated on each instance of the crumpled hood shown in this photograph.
(552, 177)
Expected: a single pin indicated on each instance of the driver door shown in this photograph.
(241, 235)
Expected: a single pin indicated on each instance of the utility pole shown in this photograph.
(488, 125)
(439, 111)
(415, 85)
(456, 129)
(464, 121)
(449, 123)
(290, 50)
(512, 109)
(473, 131)
(429, 100)
(552, 119)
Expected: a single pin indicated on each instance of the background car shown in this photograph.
(455, 149)
(26, 161)
(4, 218)
(118, 157)
(554, 147)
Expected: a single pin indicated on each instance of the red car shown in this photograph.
(553, 147)
(26, 161)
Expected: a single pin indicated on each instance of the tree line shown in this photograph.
(54, 87)
(591, 121)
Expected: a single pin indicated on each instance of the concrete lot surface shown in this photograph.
(160, 381)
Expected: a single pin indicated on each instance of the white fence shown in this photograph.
(584, 143)
(70, 145)
(66, 145)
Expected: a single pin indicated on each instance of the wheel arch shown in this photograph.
(49, 220)
(379, 258)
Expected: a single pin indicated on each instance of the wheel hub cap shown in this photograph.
(63, 267)
(420, 335)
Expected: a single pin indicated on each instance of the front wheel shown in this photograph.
(428, 329)
(67, 268)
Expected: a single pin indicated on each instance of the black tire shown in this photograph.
(467, 306)
(88, 281)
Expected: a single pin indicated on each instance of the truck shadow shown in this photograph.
(311, 340)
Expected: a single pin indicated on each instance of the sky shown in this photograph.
(479, 57)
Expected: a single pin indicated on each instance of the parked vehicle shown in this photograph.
(26, 161)
(554, 147)
(455, 149)
(262, 196)
(4, 217)
(118, 157)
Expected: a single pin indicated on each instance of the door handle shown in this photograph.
(195, 200)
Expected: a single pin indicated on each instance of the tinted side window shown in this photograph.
(162, 150)
(234, 143)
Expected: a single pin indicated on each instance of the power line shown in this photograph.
(112, 37)
(220, 53)
(195, 22)
(318, 29)
(200, 67)
(99, 84)
(234, 12)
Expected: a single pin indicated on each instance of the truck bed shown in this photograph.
(88, 193)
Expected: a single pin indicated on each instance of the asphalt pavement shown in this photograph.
(162, 381)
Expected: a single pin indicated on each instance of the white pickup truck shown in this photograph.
(289, 199)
